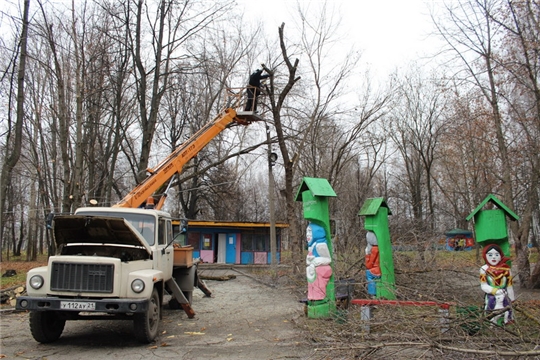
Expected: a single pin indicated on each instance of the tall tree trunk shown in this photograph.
(18, 246)
(78, 175)
(276, 106)
(32, 233)
(13, 158)
(61, 116)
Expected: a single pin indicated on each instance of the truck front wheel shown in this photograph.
(46, 326)
(146, 325)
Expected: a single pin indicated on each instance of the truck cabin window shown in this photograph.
(144, 224)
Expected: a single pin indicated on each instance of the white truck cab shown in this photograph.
(110, 263)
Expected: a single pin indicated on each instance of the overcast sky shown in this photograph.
(389, 32)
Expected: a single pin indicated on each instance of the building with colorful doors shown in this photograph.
(459, 240)
(228, 242)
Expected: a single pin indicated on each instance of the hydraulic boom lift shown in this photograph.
(174, 163)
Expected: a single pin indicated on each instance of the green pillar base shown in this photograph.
(320, 310)
(385, 290)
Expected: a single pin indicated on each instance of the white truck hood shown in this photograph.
(75, 229)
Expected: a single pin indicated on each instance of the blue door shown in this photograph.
(230, 257)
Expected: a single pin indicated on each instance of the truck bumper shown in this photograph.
(111, 306)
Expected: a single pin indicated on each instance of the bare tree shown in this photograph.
(277, 102)
(475, 32)
(320, 135)
(521, 90)
(174, 24)
(14, 135)
(415, 128)
(465, 165)
(199, 90)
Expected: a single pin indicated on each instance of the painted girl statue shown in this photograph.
(496, 282)
(373, 267)
(318, 269)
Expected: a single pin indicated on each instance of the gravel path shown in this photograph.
(244, 319)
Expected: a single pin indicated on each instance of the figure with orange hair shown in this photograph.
(496, 282)
(373, 267)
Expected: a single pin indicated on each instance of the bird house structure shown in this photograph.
(376, 211)
(490, 224)
(314, 194)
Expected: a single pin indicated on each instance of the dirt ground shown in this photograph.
(244, 319)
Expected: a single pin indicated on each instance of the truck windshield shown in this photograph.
(144, 224)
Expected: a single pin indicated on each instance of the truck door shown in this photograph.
(164, 261)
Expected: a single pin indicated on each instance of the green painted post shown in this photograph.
(490, 224)
(314, 193)
(376, 213)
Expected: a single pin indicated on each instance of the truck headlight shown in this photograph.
(137, 285)
(36, 282)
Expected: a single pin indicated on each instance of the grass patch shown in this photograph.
(533, 255)
(21, 267)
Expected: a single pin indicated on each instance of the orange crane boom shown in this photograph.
(174, 163)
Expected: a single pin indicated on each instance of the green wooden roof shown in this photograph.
(371, 206)
(495, 201)
(317, 186)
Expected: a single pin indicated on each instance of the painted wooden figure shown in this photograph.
(373, 267)
(496, 282)
(318, 269)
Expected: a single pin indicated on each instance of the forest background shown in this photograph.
(95, 92)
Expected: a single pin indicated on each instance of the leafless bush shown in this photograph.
(463, 331)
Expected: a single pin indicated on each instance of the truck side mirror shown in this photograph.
(183, 226)
(49, 220)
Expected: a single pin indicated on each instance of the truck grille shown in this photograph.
(82, 277)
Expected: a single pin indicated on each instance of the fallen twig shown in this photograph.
(529, 316)
(434, 345)
(217, 278)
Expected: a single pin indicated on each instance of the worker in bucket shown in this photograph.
(254, 89)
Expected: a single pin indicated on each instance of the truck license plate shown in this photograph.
(77, 305)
